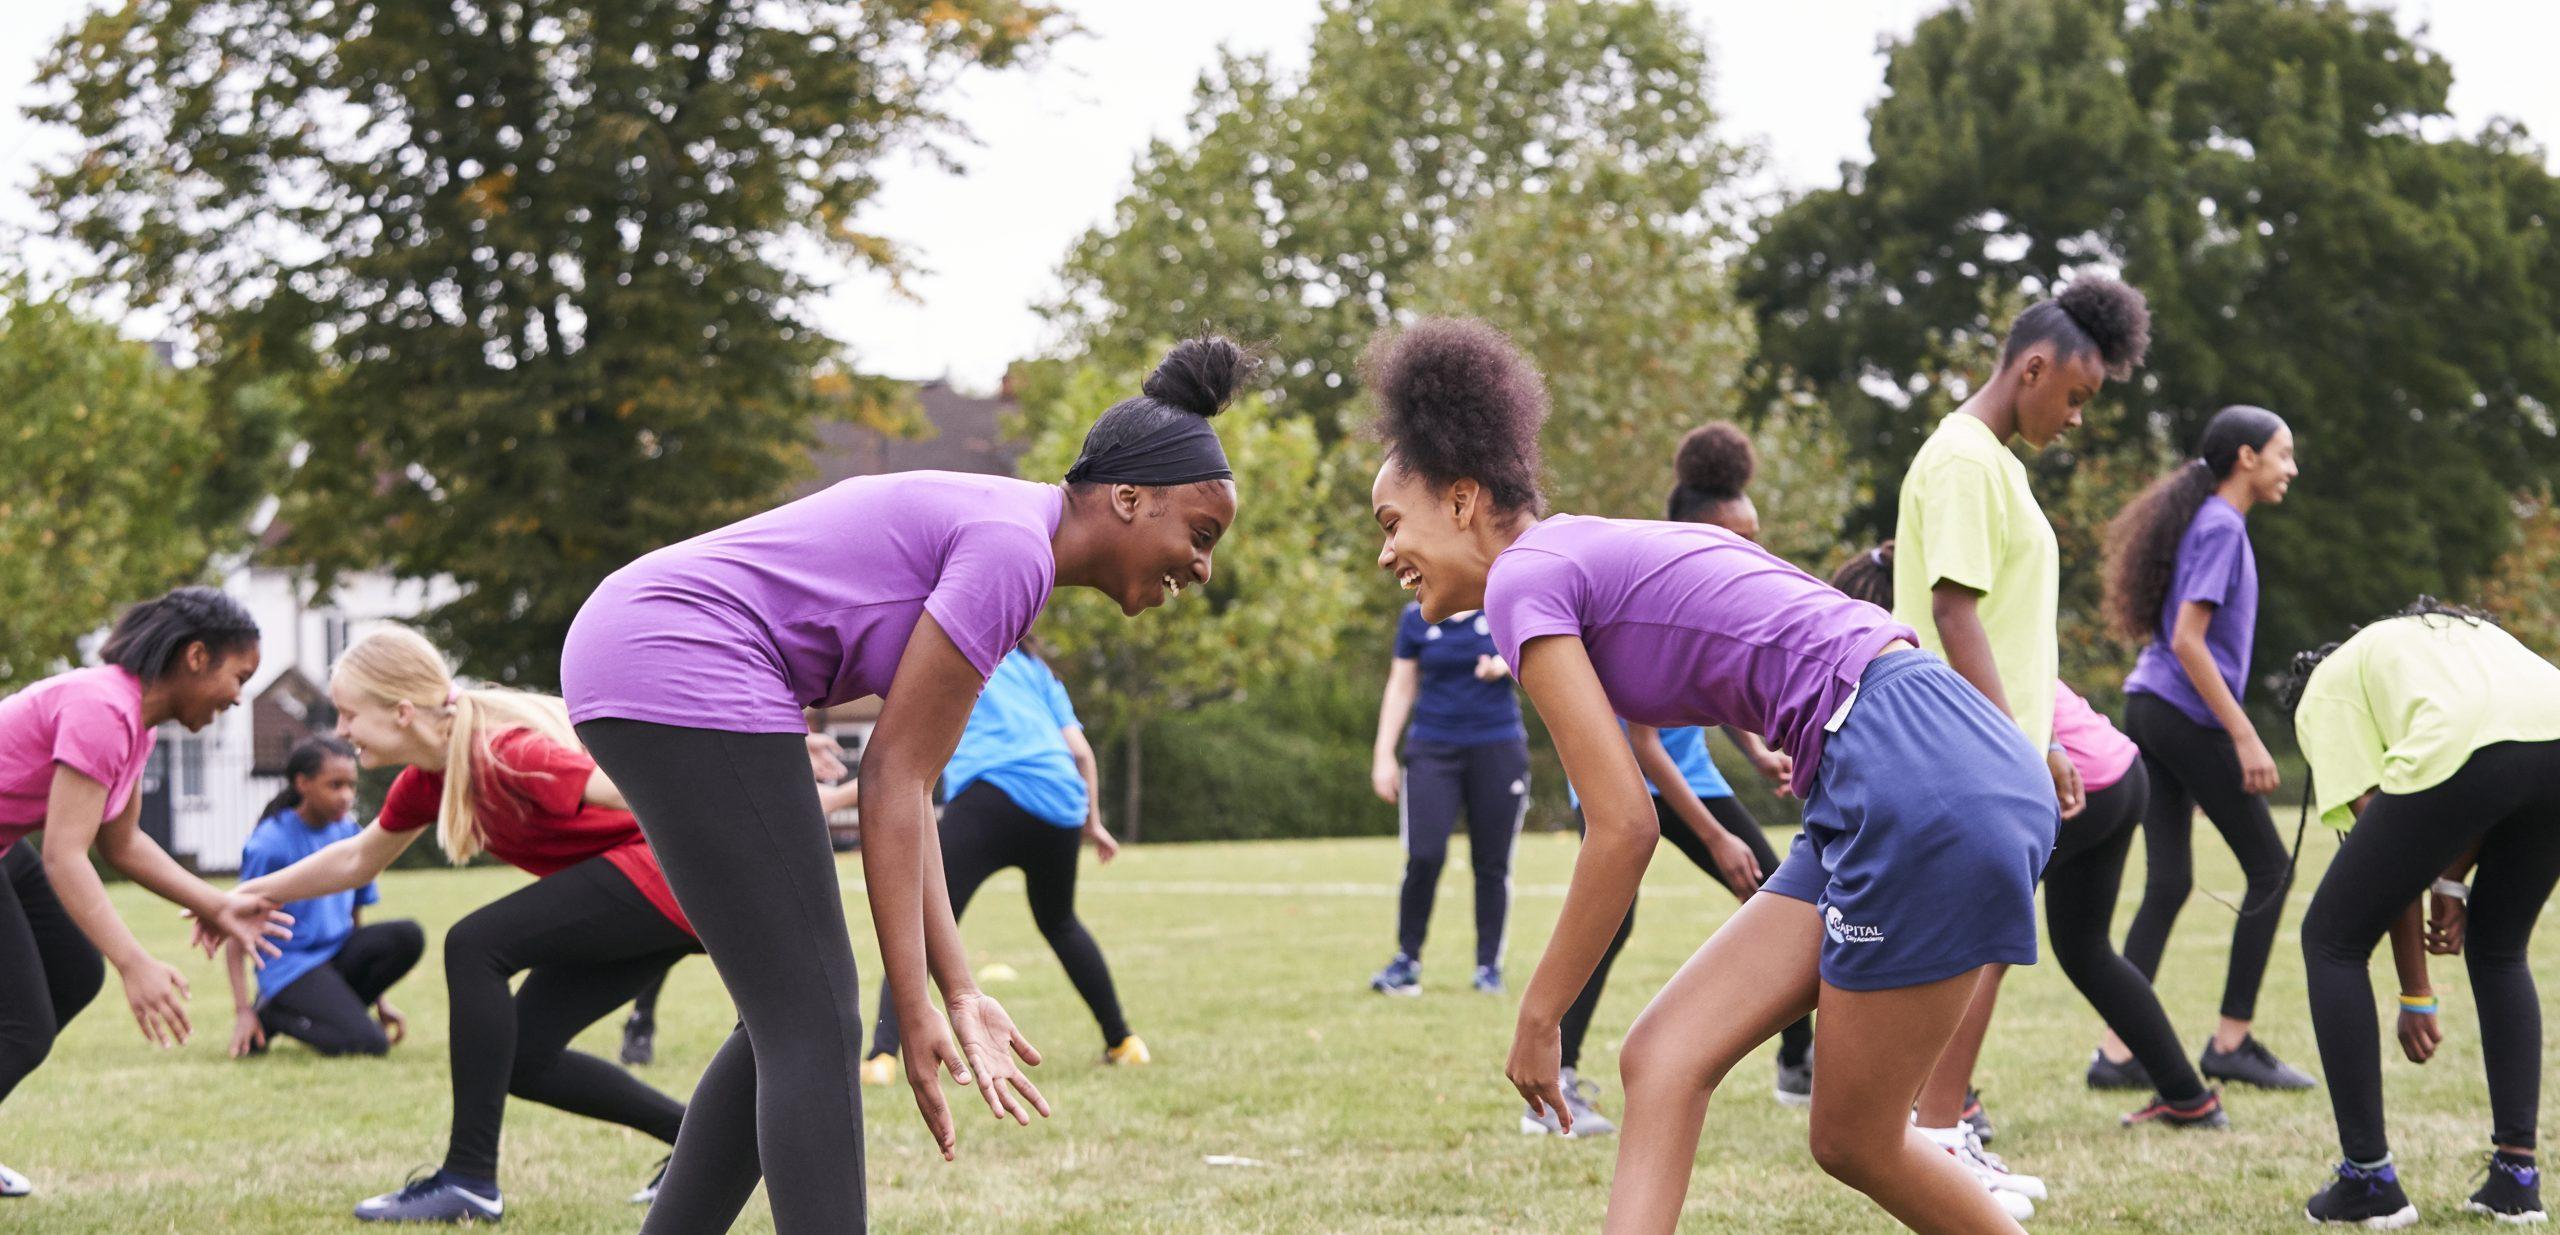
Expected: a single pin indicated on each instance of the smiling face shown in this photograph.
(1431, 547)
(1164, 539)
(2269, 472)
(2052, 392)
(384, 734)
(328, 794)
(202, 685)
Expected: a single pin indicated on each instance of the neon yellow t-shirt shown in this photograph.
(2404, 704)
(1967, 517)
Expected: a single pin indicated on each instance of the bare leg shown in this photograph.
(1942, 1097)
(1876, 1048)
(1749, 980)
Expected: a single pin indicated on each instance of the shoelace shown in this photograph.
(2525, 1176)
(1586, 1092)
(422, 1180)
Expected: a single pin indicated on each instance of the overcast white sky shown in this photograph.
(1056, 143)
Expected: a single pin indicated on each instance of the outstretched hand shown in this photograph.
(991, 1044)
(248, 921)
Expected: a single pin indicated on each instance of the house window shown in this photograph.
(191, 767)
(333, 637)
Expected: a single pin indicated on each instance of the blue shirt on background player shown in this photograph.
(320, 925)
(1453, 705)
(1016, 741)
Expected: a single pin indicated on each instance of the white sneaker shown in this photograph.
(1985, 1165)
(13, 1183)
(2020, 1208)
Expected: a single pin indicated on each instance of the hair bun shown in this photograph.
(2114, 316)
(1200, 375)
(1715, 459)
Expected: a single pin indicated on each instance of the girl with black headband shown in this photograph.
(2183, 580)
(687, 673)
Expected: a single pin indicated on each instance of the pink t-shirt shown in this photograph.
(88, 720)
(2088, 741)
(1689, 624)
(810, 604)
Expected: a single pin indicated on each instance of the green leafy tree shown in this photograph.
(1287, 578)
(2279, 178)
(1301, 212)
(521, 261)
(118, 477)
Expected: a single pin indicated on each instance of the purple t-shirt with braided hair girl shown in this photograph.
(810, 604)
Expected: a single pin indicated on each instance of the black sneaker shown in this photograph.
(1402, 976)
(1975, 1117)
(2359, 1197)
(2204, 1112)
(1795, 1080)
(639, 1040)
(648, 1194)
(2252, 1064)
(2512, 1193)
(2105, 1073)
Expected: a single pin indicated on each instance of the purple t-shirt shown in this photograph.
(810, 604)
(2216, 566)
(1689, 624)
(87, 720)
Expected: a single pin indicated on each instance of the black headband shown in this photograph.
(1185, 451)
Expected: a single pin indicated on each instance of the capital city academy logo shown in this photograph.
(1843, 931)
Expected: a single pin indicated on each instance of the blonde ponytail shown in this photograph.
(397, 665)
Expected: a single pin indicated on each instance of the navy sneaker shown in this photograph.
(2105, 1073)
(2359, 1197)
(2512, 1193)
(1975, 1117)
(1488, 979)
(1402, 976)
(2251, 1063)
(432, 1198)
(639, 1040)
(2204, 1112)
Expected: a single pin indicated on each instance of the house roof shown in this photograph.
(968, 437)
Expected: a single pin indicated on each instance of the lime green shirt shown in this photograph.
(2402, 705)
(1967, 517)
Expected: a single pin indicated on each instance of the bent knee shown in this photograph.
(1851, 1152)
(1657, 1060)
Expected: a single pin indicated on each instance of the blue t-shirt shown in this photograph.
(1687, 746)
(1017, 742)
(1453, 705)
(2216, 566)
(320, 925)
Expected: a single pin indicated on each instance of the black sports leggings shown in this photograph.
(48, 969)
(2080, 886)
(331, 1007)
(1488, 783)
(985, 831)
(1795, 1039)
(2190, 766)
(2506, 800)
(734, 820)
(586, 941)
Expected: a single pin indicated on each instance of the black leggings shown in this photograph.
(1488, 783)
(2190, 766)
(331, 1007)
(1795, 1039)
(48, 969)
(985, 831)
(734, 819)
(586, 941)
(2506, 800)
(2080, 886)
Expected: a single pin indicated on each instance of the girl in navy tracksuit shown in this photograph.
(1465, 754)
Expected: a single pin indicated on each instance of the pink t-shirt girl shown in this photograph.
(88, 720)
(2091, 744)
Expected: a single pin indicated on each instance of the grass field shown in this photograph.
(1243, 966)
